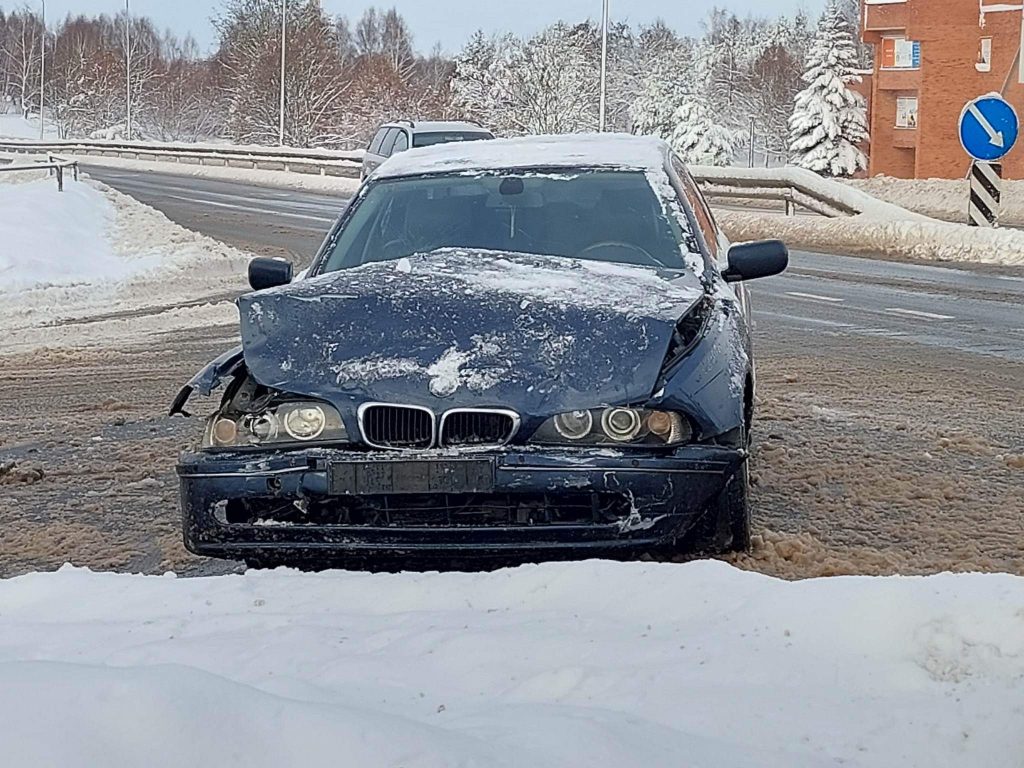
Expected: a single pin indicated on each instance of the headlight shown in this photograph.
(625, 427)
(291, 423)
(574, 425)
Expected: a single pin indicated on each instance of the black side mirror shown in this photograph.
(269, 273)
(749, 261)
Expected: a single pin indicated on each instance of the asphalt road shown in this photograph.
(967, 310)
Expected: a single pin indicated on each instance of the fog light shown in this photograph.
(575, 425)
(621, 424)
(305, 423)
(225, 432)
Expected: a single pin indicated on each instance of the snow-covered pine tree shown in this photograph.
(830, 119)
(698, 139)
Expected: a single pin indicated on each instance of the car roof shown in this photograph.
(429, 126)
(605, 150)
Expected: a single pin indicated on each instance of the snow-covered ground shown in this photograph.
(14, 126)
(282, 179)
(944, 199)
(91, 265)
(588, 664)
(880, 237)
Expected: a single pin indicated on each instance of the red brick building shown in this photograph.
(931, 58)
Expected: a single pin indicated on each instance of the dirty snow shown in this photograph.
(577, 150)
(92, 266)
(595, 664)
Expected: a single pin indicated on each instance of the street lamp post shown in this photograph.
(604, 67)
(284, 43)
(128, 68)
(42, 78)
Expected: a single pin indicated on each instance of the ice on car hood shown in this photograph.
(462, 328)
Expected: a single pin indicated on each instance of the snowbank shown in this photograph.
(589, 664)
(282, 179)
(91, 265)
(880, 237)
(850, 197)
(944, 199)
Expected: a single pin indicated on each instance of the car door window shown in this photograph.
(401, 142)
(699, 206)
(389, 142)
(377, 141)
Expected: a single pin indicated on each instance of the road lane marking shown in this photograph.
(916, 313)
(250, 209)
(815, 297)
(799, 319)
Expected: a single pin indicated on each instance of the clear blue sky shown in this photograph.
(449, 22)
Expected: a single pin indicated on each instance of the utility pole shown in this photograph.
(750, 158)
(604, 68)
(42, 80)
(128, 67)
(284, 43)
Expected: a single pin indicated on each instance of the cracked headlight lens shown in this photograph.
(292, 423)
(620, 427)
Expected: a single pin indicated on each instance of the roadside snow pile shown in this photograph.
(869, 236)
(944, 199)
(589, 664)
(90, 264)
(879, 227)
(850, 197)
(267, 178)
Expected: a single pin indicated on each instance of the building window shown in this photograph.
(984, 63)
(906, 112)
(900, 53)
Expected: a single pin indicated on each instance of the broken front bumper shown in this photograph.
(331, 502)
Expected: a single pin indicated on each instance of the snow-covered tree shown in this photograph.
(829, 120)
(547, 84)
(662, 89)
(698, 138)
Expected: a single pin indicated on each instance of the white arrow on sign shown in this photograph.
(995, 138)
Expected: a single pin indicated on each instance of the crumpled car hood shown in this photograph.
(469, 328)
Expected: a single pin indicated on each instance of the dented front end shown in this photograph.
(513, 501)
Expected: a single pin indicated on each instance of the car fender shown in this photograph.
(209, 378)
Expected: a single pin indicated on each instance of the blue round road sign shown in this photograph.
(988, 128)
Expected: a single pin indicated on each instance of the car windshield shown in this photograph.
(600, 215)
(447, 137)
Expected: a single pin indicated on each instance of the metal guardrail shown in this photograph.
(52, 164)
(793, 186)
(311, 161)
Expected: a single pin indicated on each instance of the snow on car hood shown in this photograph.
(467, 328)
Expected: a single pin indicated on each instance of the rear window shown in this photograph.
(447, 137)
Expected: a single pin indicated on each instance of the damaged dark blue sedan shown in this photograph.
(527, 348)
